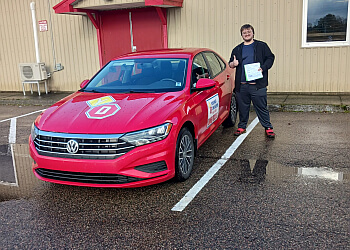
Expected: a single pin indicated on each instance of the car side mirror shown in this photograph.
(204, 84)
(84, 83)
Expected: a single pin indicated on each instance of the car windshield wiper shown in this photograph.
(91, 90)
(140, 91)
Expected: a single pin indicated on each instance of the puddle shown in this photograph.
(323, 173)
(247, 171)
(257, 171)
(20, 169)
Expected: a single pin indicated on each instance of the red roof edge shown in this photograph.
(159, 3)
(64, 6)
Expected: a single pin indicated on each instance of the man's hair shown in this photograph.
(247, 26)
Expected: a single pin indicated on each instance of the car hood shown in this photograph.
(97, 113)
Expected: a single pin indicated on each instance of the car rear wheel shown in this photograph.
(232, 118)
(184, 155)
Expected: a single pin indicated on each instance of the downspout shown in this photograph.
(36, 41)
(163, 19)
(52, 40)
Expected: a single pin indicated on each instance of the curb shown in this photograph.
(308, 108)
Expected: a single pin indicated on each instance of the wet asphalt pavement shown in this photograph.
(292, 192)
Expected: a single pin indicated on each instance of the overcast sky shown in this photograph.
(320, 8)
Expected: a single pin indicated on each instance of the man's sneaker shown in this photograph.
(269, 133)
(239, 131)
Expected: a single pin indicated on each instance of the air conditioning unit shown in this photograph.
(32, 71)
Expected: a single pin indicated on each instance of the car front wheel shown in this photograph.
(184, 155)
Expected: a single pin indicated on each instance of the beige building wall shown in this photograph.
(216, 24)
(200, 23)
(74, 37)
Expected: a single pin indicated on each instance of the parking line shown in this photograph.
(12, 141)
(22, 115)
(12, 135)
(189, 196)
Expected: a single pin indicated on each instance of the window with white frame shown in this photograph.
(325, 23)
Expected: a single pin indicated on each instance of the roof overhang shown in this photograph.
(81, 7)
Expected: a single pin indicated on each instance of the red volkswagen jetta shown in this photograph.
(137, 122)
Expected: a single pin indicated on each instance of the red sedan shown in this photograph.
(138, 121)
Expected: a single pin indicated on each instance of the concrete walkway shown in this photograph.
(276, 102)
(309, 102)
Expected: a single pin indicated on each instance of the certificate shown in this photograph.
(251, 71)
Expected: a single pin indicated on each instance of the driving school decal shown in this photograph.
(213, 109)
(102, 107)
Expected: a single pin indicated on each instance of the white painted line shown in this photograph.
(12, 135)
(14, 170)
(8, 184)
(14, 165)
(189, 196)
(22, 115)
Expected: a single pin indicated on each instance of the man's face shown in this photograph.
(247, 35)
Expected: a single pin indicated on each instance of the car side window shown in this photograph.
(222, 63)
(214, 63)
(199, 69)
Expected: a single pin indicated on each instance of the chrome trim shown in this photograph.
(78, 136)
(91, 146)
(92, 155)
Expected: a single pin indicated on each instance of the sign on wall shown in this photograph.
(43, 25)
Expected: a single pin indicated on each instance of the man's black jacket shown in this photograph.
(262, 54)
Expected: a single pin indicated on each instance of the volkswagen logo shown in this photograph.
(72, 146)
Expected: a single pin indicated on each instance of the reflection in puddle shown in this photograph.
(324, 173)
(257, 171)
(255, 175)
(26, 181)
(249, 171)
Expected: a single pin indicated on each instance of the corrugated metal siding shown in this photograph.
(75, 43)
(216, 25)
(200, 23)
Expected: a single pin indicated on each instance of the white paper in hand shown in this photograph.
(251, 71)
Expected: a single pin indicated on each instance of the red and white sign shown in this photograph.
(213, 109)
(103, 111)
(43, 25)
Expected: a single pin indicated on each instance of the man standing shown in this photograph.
(248, 52)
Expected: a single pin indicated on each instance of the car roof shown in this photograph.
(177, 53)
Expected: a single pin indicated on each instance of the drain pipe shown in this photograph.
(36, 41)
(52, 40)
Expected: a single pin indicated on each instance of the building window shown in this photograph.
(325, 23)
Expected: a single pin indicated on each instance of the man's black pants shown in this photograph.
(249, 93)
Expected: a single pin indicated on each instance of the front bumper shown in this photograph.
(145, 165)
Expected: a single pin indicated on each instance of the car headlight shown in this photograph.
(147, 136)
(34, 131)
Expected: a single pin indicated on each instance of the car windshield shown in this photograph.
(150, 75)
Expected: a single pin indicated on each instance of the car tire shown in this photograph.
(184, 157)
(232, 117)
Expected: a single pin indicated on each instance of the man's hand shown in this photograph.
(234, 63)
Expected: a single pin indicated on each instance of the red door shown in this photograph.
(115, 34)
(123, 30)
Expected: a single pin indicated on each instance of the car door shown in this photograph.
(217, 71)
(204, 103)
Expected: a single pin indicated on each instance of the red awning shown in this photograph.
(67, 6)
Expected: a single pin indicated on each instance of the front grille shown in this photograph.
(103, 147)
(92, 178)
